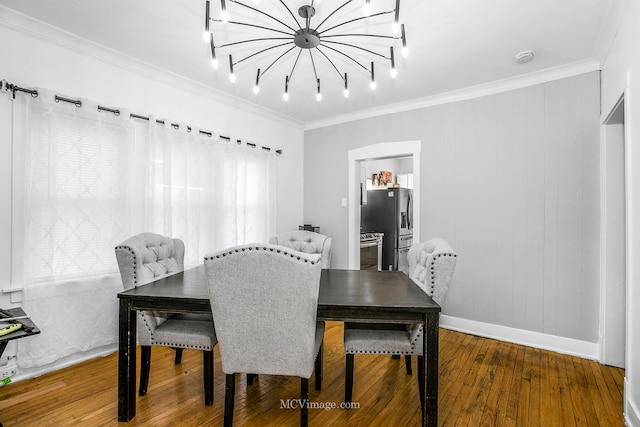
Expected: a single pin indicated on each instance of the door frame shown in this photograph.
(382, 150)
(606, 315)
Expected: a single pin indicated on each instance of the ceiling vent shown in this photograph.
(525, 56)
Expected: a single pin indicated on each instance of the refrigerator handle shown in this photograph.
(408, 213)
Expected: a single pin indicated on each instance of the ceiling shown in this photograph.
(454, 44)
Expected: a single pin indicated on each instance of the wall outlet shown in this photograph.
(8, 372)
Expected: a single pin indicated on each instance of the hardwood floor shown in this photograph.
(483, 382)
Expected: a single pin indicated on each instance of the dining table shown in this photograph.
(344, 295)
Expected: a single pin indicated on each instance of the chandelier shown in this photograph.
(284, 42)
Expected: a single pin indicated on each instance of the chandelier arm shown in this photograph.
(253, 25)
(253, 40)
(277, 59)
(261, 51)
(358, 47)
(294, 66)
(331, 62)
(344, 54)
(291, 13)
(362, 35)
(313, 64)
(264, 13)
(357, 19)
(331, 14)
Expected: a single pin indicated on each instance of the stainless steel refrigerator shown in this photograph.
(390, 211)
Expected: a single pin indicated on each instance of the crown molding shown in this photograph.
(491, 88)
(609, 29)
(37, 29)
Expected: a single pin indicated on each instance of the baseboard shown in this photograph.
(631, 412)
(584, 349)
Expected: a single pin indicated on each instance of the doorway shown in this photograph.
(613, 238)
(385, 150)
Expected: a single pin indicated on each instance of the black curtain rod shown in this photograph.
(6, 86)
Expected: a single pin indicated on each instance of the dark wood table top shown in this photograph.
(372, 288)
(340, 290)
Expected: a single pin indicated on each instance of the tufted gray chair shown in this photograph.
(307, 242)
(431, 266)
(144, 258)
(264, 300)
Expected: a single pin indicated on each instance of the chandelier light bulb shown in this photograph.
(373, 85)
(392, 57)
(207, 18)
(396, 18)
(214, 58)
(367, 8)
(224, 15)
(285, 95)
(256, 87)
(232, 75)
(405, 49)
(346, 93)
(318, 97)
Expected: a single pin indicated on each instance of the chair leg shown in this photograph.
(229, 398)
(304, 402)
(420, 385)
(178, 359)
(407, 362)
(250, 378)
(348, 385)
(145, 367)
(318, 368)
(207, 363)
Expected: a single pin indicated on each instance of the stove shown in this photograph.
(371, 250)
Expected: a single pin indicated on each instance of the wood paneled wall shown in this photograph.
(511, 180)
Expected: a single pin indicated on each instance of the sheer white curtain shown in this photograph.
(71, 167)
(206, 191)
(86, 180)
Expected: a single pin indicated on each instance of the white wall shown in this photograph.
(35, 55)
(511, 180)
(621, 75)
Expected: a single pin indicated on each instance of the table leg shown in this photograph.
(126, 362)
(430, 379)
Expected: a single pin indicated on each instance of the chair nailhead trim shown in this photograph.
(133, 255)
(196, 347)
(258, 248)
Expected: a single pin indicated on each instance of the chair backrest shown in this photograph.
(431, 266)
(146, 257)
(264, 300)
(306, 241)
